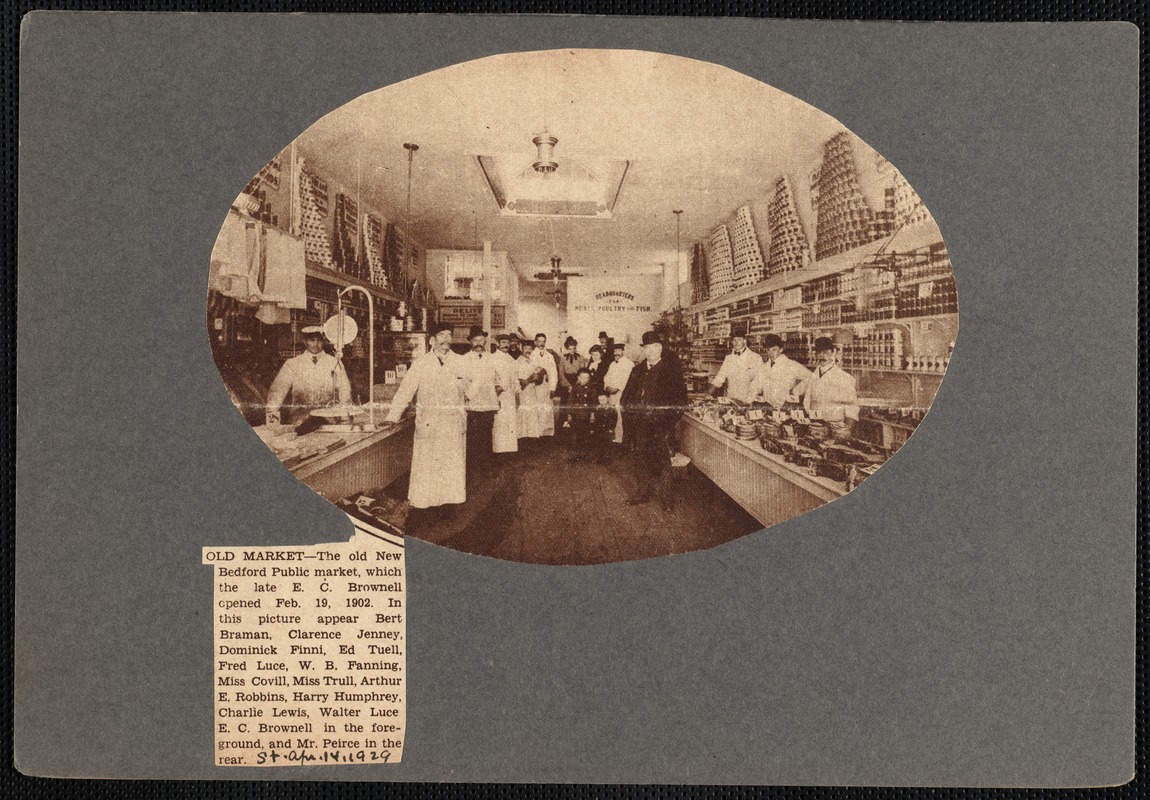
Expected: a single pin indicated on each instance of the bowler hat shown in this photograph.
(438, 327)
(476, 330)
(652, 337)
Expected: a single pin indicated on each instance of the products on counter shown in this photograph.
(817, 447)
(378, 507)
(907, 417)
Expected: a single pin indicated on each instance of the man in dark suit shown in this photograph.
(655, 398)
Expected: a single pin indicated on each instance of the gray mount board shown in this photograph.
(964, 618)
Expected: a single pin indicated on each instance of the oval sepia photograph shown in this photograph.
(579, 307)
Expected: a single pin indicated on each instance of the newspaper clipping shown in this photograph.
(309, 653)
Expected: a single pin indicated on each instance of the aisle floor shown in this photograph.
(538, 507)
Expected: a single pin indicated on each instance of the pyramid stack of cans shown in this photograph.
(346, 231)
(721, 266)
(901, 198)
(373, 245)
(845, 219)
(313, 215)
(746, 255)
(700, 283)
(789, 248)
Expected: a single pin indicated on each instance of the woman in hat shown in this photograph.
(594, 366)
(569, 365)
(435, 382)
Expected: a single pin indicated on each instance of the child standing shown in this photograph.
(580, 404)
(602, 432)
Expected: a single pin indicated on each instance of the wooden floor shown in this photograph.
(539, 507)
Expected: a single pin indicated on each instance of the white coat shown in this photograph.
(738, 372)
(545, 407)
(775, 383)
(479, 381)
(505, 433)
(314, 381)
(617, 376)
(529, 418)
(831, 394)
(439, 455)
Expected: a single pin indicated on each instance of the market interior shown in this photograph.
(570, 193)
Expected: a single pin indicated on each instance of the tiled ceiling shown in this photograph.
(700, 137)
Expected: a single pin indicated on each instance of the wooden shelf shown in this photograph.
(891, 371)
(909, 238)
(343, 281)
(900, 425)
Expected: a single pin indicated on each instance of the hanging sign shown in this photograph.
(471, 314)
(623, 306)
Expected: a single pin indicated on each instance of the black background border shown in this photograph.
(15, 785)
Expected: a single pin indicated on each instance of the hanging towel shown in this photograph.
(273, 314)
(229, 264)
(286, 275)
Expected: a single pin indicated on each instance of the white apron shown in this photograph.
(544, 405)
(439, 455)
(528, 413)
(613, 401)
(505, 433)
(545, 408)
(833, 395)
(617, 376)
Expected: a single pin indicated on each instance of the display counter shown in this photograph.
(768, 487)
(339, 464)
(364, 462)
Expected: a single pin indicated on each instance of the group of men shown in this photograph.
(773, 378)
(469, 407)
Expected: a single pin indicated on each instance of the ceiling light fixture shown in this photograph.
(556, 292)
(526, 185)
(545, 147)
